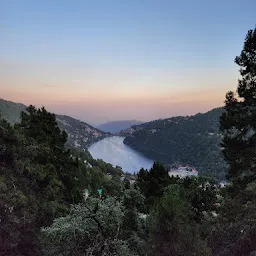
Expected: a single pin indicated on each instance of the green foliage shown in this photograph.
(133, 227)
(192, 140)
(133, 199)
(238, 122)
(33, 194)
(41, 184)
(92, 228)
(234, 232)
(99, 227)
(81, 134)
(36, 164)
(41, 125)
(152, 183)
(18, 232)
(40, 179)
(172, 229)
(201, 193)
(107, 167)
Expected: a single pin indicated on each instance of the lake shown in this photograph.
(113, 150)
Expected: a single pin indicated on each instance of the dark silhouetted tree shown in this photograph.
(238, 122)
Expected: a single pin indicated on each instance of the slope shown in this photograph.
(80, 134)
(11, 111)
(192, 140)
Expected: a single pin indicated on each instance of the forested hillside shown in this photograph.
(80, 134)
(56, 201)
(40, 178)
(193, 140)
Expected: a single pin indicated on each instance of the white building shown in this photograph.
(183, 172)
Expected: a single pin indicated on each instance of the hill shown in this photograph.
(192, 140)
(80, 134)
(117, 126)
(11, 111)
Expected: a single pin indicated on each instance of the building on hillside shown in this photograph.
(130, 178)
(132, 181)
(183, 171)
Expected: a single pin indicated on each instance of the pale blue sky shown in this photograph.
(70, 55)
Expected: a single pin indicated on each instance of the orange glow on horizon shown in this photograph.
(129, 95)
(93, 109)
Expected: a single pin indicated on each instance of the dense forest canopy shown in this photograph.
(41, 178)
(59, 201)
(192, 140)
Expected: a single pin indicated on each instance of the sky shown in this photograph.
(111, 60)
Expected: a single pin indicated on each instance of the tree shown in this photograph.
(238, 122)
(38, 178)
(41, 125)
(133, 228)
(172, 229)
(91, 228)
(18, 204)
(152, 183)
(201, 194)
(234, 232)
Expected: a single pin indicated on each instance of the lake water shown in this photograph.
(113, 150)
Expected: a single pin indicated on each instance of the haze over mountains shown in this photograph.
(11, 111)
(80, 134)
(117, 126)
(137, 134)
(193, 140)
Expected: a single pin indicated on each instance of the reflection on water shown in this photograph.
(113, 150)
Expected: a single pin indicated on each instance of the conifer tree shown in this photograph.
(238, 122)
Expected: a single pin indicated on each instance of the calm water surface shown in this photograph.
(113, 150)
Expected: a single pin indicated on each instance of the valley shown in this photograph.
(187, 140)
(113, 150)
(126, 129)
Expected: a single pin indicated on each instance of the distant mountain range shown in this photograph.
(192, 140)
(80, 134)
(117, 126)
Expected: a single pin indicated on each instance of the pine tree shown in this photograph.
(153, 183)
(238, 122)
(42, 126)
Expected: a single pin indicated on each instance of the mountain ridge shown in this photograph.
(193, 140)
(118, 125)
(80, 134)
(10, 110)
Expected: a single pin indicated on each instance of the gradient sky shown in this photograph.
(112, 60)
